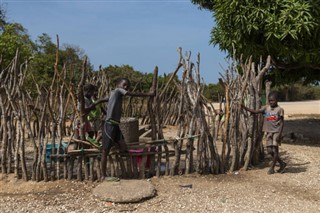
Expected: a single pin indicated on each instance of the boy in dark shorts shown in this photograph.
(111, 134)
(273, 127)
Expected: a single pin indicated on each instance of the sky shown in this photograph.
(139, 33)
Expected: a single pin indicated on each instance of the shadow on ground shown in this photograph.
(304, 131)
(291, 167)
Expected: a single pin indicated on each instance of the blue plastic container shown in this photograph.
(63, 147)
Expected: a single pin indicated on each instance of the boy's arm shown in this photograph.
(281, 125)
(261, 110)
(93, 105)
(89, 108)
(141, 94)
(101, 100)
(281, 129)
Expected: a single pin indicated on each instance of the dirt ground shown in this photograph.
(297, 190)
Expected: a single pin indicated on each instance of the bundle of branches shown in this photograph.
(242, 135)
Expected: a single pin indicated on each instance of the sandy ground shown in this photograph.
(298, 107)
(301, 107)
(297, 190)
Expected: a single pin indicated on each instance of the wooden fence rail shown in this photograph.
(227, 139)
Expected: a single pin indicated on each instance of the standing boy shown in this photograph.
(111, 134)
(89, 91)
(95, 116)
(273, 127)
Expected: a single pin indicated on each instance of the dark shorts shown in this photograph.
(111, 135)
(271, 139)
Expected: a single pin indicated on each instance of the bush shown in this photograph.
(299, 92)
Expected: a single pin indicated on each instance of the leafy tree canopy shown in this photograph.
(288, 30)
(13, 37)
(137, 79)
(213, 92)
(44, 59)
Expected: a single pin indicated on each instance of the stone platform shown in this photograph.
(124, 191)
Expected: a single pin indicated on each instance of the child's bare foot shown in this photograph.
(271, 171)
(282, 168)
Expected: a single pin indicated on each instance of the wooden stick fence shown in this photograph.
(226, 139)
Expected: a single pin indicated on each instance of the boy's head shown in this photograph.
(273, 99)
(89, 90)
(123, 83)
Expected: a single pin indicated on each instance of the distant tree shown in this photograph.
(44, 58)
(288, 30)
(213, 92)
(14, 36)
(142, 81)
(73, 56)
(42, 65)
(123, 71)
(298, 92)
